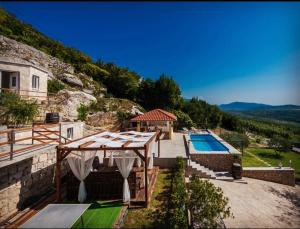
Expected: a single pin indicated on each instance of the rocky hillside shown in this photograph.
(79, 87)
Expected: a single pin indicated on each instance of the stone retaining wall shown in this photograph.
(26, 181)
(216, 162)
(282, 176)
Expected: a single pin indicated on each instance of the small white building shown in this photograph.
(24, 78)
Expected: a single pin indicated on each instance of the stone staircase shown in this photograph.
(202, 171)
(195, 168)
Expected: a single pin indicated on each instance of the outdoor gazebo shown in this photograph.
(81, 153)
(153, 119)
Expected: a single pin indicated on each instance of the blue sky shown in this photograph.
(220, 52)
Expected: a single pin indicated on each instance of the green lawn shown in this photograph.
(249, 160)
(269, 156)
(99, 215)
(152, 217)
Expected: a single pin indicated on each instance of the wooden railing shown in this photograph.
(43, 134)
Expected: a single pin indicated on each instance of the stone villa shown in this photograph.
(24, 78)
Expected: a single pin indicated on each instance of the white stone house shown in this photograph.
(24, 78)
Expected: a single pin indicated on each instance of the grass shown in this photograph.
(273, 158)
(101, 214)
(152, 216)
(249, 160)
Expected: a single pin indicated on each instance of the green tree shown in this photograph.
(207, 203)
(167, 93)
(183, 120)
(279, 144)
(16, 111)
(203, 114)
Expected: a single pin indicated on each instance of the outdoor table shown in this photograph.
(57, 216)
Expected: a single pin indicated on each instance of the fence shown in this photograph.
(43, 134)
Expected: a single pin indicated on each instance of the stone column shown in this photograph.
(138, 127)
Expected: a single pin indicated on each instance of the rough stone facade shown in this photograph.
(216, 162)
(26, 181)
(278, 175)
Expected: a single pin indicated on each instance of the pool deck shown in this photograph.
(173, 148)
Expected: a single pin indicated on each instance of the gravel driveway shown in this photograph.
(262, 204)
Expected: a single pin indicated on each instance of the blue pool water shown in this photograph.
(206, 142)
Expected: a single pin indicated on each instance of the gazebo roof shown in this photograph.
(155, 115)
(111, 140)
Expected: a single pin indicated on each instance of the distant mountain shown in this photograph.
(288, 113)
(243, 106)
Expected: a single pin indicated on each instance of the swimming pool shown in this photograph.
(207, 142)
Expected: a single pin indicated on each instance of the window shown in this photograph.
(35, 82)
(70, 133)
(13, 81)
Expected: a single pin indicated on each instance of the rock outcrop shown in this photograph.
(14, 49)
(71, 79)
(66, 103)
(105, 120)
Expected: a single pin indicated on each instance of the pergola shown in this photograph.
(156, 118)
(109, 141)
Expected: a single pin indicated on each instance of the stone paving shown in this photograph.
(261, 204)
(173, 148)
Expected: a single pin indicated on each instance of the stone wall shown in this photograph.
(216, 162)
(278, 175)
(24, 182)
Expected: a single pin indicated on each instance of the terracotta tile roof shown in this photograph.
(155, 115)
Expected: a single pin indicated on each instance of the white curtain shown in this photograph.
(125, 165)
(111, 160)
(81, 167)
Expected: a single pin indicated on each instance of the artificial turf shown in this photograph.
(99, 215)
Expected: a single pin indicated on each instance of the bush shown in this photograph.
(207, 204)
(177, 211)
(123, 116)
(237, 140)
(183, 120)
(55, 86)
(82, 112)
(16, 111)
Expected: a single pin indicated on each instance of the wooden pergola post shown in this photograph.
(146, 176)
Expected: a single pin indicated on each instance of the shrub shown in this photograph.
(55, 86)
(16, 111)
(207, 204)
(237, 140)
(82, 112)
(177, 211)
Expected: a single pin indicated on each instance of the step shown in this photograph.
(224, 176)
(201, 170)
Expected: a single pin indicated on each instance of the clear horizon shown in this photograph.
(221, 52)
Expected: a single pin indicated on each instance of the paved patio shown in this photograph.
(262, 204)
(173, 148)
